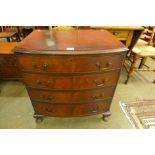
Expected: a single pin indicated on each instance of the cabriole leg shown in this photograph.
(105, 116)
(38, 117)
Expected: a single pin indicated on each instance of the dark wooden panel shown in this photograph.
(71, 82)
(10, 78)
(71, 110)
(8, 65)
(9, 70)
(70, 97)
(7, 60)
(9, 74)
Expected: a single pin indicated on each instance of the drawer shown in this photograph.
(71, 64)
(120, 33)
(71, 110)
(7, 60)
(71, 82)
(70, 97)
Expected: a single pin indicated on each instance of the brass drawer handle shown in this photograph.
(94, 109)
(115, 33)
(38, 82)
(50, 97)
(47, 83)
(98, 84)
(44, 66)
(100, 66)
(51, 110)
(47, 97)
(101, 95)
(34, 65)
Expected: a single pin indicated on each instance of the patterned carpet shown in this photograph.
(140, 113)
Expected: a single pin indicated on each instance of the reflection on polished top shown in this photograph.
(58, 41)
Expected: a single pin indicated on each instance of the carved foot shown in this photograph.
(38, 117)
(105, 116)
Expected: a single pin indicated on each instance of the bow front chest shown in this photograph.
(70, 72)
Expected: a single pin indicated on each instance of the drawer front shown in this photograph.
(7, 60)
(69, 97)
(71, 64)
(71, 82)
(120, 33)
(71, 110)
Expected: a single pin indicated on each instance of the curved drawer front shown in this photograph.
(71, 110)
(71, 64)
(71, 82)
(70, 97)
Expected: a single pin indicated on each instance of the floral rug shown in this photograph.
(140, 113)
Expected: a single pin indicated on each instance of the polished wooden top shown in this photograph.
(119, 27)
(69, 42)
(6, 47)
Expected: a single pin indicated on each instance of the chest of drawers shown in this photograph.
(70, 72)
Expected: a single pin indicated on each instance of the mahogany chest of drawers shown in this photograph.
(70, 72)
(8, 65)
